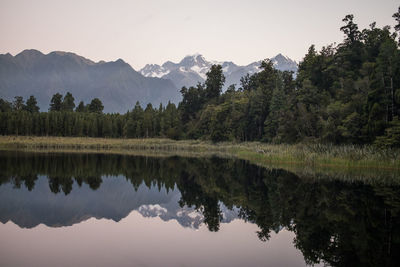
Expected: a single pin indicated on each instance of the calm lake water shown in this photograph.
(114, 210)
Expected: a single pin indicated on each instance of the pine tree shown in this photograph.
(68, 102)
(96, 106)
(5, 106)
(18, 103)
(214, 82)
(56, 102)
(81, 107)
(31, 105)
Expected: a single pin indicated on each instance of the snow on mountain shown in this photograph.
(185, 216)
(192, 69)
(284, 63)
(154, 70)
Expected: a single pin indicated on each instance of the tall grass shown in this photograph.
(311, 160)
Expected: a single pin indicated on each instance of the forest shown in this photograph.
(346, 93)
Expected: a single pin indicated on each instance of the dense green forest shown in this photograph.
(344, 93)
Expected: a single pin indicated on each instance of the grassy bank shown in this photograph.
(306, 159)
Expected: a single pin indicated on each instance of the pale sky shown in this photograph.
(154, 31)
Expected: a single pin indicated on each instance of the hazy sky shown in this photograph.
(154, 31)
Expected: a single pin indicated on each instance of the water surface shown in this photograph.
(115, 210)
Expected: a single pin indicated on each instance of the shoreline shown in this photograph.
(302, 159)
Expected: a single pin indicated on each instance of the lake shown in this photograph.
(87, 209)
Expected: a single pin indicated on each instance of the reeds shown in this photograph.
(316, 160)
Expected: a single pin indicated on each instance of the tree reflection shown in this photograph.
(338, 223)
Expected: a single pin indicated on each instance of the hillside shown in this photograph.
(116, 83)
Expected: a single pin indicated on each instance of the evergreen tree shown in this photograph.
(214, 82)
(18, 103)
(68, 102)
(81, 107)
(56, 102)
(96, 106)
(31, 105)
(148, 121)
(5, 106)
(396, 16)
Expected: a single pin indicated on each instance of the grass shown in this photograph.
(311, 160)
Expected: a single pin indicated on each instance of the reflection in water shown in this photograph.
(341, 224)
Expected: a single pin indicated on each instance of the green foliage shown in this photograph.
(68, 102)
(56, 102)
(96, 106)
(81, 107)
(31, 105)
(214, 82)
(391, 139)
(5, 106)
(396, 16)
(350, 30)
(18, 103)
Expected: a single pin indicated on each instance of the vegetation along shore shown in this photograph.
(304, 159)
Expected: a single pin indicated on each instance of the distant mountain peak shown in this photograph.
(121, 62)
(192, 69)
(193, 60)
(30, 52)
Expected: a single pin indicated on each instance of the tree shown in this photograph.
(247, 83)
(81, 107)
(18, 103)
(350, 29)
(148, 121)
(56, 102)
(5, 106)
(134, 125)
(214, 82)
(96, 106)
(276, 109)
(172, 121)
(68, 102)
(192, 101)
(396, 16)
(31, 105)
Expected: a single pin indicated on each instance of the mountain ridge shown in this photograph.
(192, 69)
(115, 83)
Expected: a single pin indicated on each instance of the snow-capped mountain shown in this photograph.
(284, 63)
(192, 69)
(186, 216)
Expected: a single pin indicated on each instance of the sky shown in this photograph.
(154, 31)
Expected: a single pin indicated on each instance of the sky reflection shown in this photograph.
(143, 241)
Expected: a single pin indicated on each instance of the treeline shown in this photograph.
(345, 93)
(19, 118)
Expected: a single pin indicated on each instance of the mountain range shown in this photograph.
(115, 83)
(192, 70)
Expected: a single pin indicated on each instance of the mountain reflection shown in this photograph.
(341, 224)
